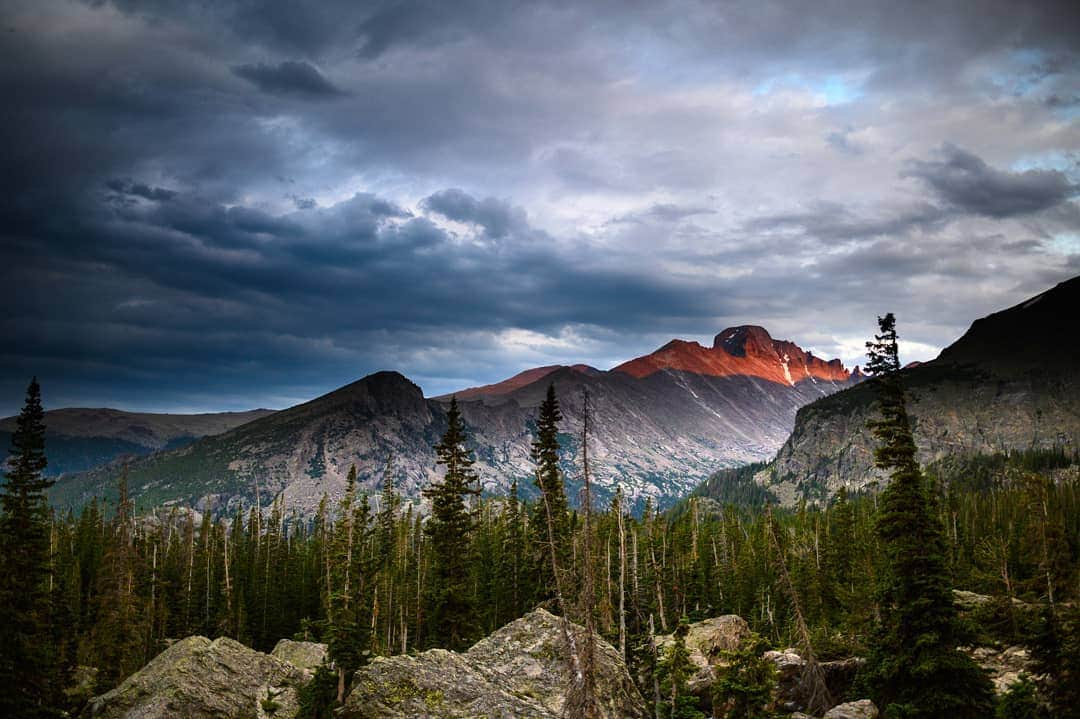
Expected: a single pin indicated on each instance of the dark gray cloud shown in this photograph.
(968, 183)
(497, 217)
(224, 204)
(290, 77)
(138, 189)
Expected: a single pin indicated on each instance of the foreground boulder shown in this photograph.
(522, 670)
(306, 656)
(707, 641)
(198, 678)
(862, 709)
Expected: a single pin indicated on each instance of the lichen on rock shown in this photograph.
(521, 670)
(197, 678)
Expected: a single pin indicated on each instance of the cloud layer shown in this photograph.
(223, 205)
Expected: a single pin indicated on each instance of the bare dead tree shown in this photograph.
(622, 573)
(581, 701)
(568, 636)
(812, 679)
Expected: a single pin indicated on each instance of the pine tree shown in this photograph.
(676, 668)
(451, 613)
(28, 666)
(118, 635)
(746, 682)
(549, 480)
(348, 628)
(914, 668)
(1055, 651)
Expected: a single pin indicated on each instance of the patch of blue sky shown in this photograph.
(834, 89)
(1064, 162)
(1066, 243)
(1025, 72)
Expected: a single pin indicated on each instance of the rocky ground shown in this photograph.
(198, 678)
(522, 670)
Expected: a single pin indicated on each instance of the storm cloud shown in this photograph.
(232, 204)
(288, 77)
(969, 184)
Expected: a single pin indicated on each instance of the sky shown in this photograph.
(222, 204)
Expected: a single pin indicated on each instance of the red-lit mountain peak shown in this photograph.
(746, 350)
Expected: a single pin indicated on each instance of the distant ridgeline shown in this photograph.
(79, 439)
(662, 424)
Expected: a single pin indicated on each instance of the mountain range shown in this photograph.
(80, 438)
(660, 424)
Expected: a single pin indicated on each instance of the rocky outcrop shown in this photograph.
(306, 656)
(862, 709)
(839, 676)
(198, 678)
(522, 670)
(1003, 665)
(707, 640)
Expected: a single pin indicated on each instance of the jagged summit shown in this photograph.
(744, 339)
(745, 350)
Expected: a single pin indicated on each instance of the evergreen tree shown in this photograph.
(451, 612)
(549, 480)
(1055, 649)
(746, 681)
(676, 668)
(118, 635)
(914, 668)
(348, 631)
(28, 665)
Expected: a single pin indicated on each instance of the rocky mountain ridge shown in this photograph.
(1011, 382)
(656, 436)
(747, 351)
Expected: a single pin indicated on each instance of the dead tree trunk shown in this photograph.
(812, 679)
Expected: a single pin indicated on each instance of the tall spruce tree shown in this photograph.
(451, 613)
(28, 671)
(348, 630)
(914, 668)
(549, 480)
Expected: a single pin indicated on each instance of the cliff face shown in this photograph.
(1011, 382)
